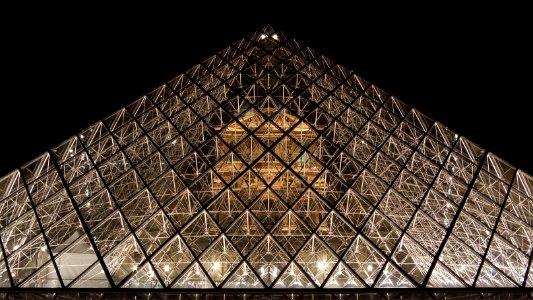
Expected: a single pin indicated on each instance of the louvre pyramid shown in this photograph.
(266, 166)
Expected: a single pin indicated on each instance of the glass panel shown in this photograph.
(245, 232)
(293, 277)
(291, 232)
(364, 259)
(172, 259)
(316, 259)
(75, 260)
(220, 259)
(268, 259)
(392, 278)
(243, 277)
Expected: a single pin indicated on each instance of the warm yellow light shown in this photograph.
(216, 265)
(369, 268)
(43, 248)
(263, 36)
(275, 36)
(166, 268)
(134, 268)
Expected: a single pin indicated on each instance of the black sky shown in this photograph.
(469, 68)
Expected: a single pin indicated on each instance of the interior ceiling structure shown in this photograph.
(265, 168)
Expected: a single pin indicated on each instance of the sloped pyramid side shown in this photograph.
(266, 166)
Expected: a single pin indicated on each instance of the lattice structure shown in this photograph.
(267, 166)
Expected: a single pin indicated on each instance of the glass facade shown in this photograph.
(266, 167)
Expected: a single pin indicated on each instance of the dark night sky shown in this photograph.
(469, 68)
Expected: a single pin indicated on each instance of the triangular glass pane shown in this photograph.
(144, 278)
(75, 260)
(343, 277)
(364, 259)
(284, 119)
(54, 208)
(511, 261)
(426, 232)
(252, 119)
(291, 232)
(27, 259)
(338, 133)
(94, 278)
(244, 278)
(489, 276)
(138, 209)
(288, 186)
(268, 133)
(268, 259)
(439, 208)
(397, 208)
(249, 149)
(268, 167)
(307, 167)
(177, 149)
(245, 232)
(125, 187)
(330, 187)
(220, 259)
(268, 208)
(360, 149)
(287, 149)
(268, 105)
(248, 186)
(304, 134)
(516, 232)
(155, 232)
(124, 259)
(380, 230)
(225, 208)
(182, 208)
(441, 277)
(166, 186)
(460, 259)
(139, 149)
(345, 167)
(13, 207)
(172, 259)
(311, 208)
(371, 187)
(354, 207)
(46, 277)
(200, 232)
(392, 278)
(336, 232)
(114, 223)
(207, 186)
(229, 167)
(194, 278)
(293, 277)
(412, 258)
(316, 259)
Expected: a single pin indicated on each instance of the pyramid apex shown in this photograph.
(268, 33)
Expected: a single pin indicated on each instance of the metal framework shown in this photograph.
(266, 167)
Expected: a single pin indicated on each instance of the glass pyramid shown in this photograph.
(267, 166)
